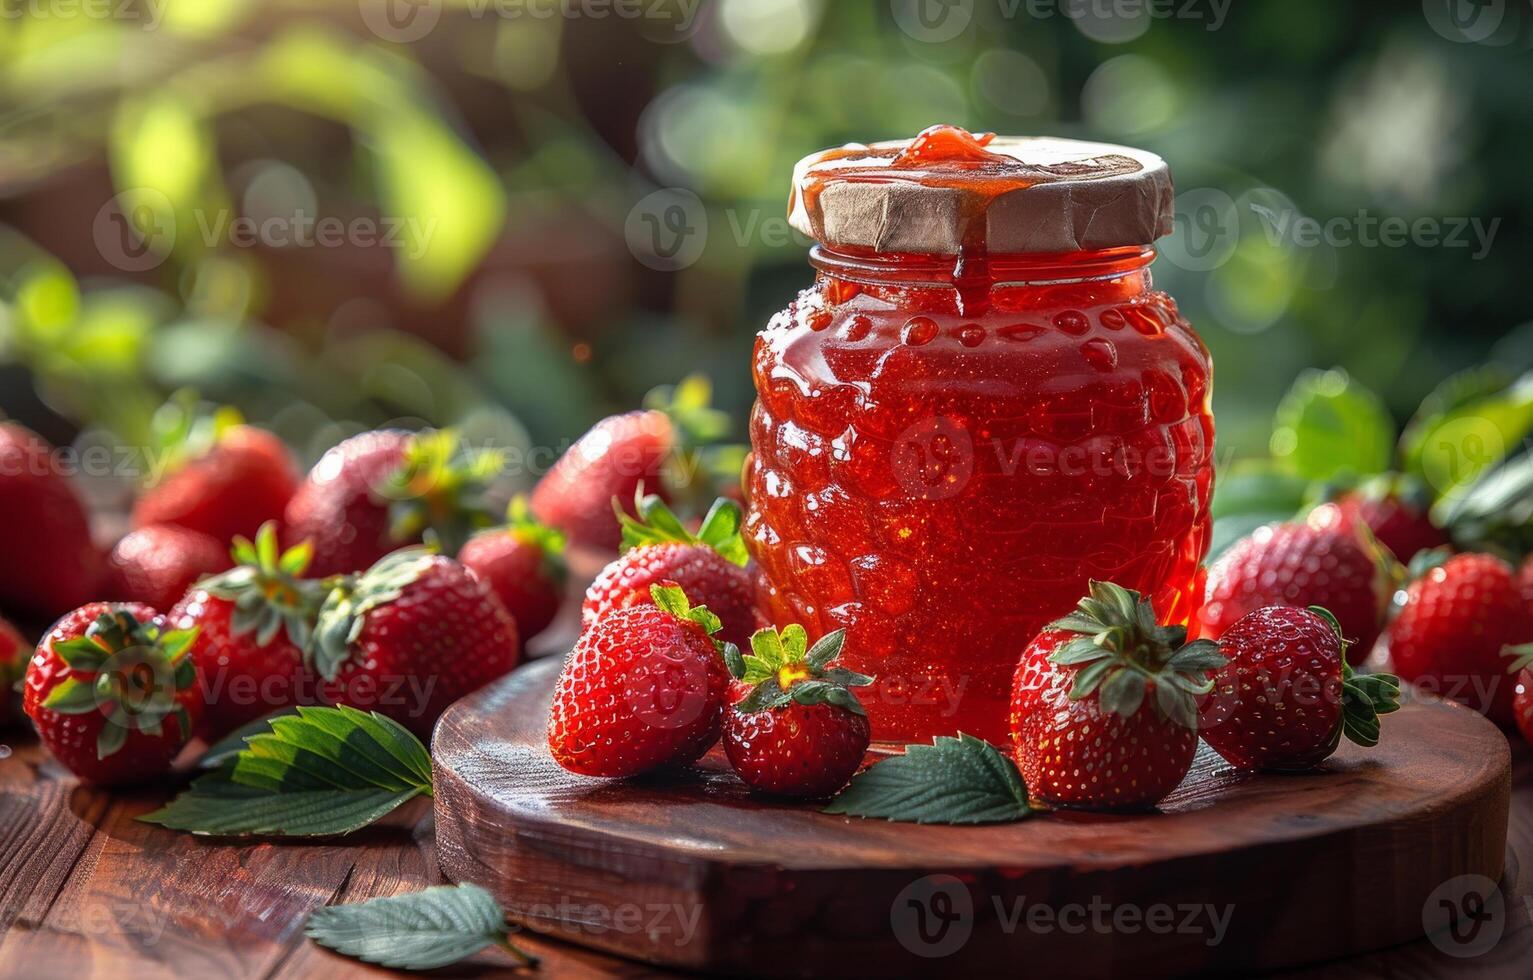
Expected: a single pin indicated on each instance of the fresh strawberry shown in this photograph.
(524, 563)
(644, 687)
(1316, 562)
(1456, 621)
(413, 634)
(1395, 509)
(253, 623)
(15, 651)
(709, 566)
(1287, 694)
(156, 564)
(113, 694)
(1521, 668)
(1104, 704)
(384, 490)
(221, 477)
(800, 731)
(659, 448)
(50, 563)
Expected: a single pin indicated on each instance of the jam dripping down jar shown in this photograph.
(980, 405)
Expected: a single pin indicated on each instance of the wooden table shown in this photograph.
(88, 891)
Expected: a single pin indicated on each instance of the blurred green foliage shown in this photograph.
(507, 144)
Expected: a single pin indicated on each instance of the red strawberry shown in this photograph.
(50, 563)
(524, 563)
(1287, 694)
(112, 693)
(384, 490)
(156, 564)
(1396, 510)
(1450, 633)
(1316, 562)
(1104, 704)
(1522, 689)
(15, 651)
(222, 477)
(709, 566)
(644, 687)
(253, 624)
(1525, 574)
(410, 636)
(623, 453)
(800, 731)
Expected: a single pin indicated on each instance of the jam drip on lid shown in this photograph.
(969, 172)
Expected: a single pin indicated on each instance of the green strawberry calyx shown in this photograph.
(437, 492)
(186, 428)
(268, 590)
(1121, 651)
(1364, 697)
(1520, 655)
(785, 669)
(652, 523)
(550, 541)
(129, 672)
(351, 597)
(700, 461)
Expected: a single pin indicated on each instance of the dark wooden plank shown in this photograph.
(689, 870)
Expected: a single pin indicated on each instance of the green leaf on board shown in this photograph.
(418, 931)
(954, 780)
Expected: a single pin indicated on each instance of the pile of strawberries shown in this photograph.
(379, 580)
(658, 676)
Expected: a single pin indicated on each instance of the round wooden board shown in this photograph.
(1234, 873)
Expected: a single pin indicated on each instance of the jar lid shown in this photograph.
(948, 189)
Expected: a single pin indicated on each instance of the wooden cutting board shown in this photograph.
(1234, 873)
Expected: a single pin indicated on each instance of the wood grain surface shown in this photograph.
(687, 869)
(86, 891)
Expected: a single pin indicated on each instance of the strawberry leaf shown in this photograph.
(1329, 425)
(233, 743)
(962, 780)
(418, 931)
(320, 771)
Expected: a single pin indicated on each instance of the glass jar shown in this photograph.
(947, 446)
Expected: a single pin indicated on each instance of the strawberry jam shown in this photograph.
(950, 441)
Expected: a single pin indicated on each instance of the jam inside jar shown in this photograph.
(948, 445)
